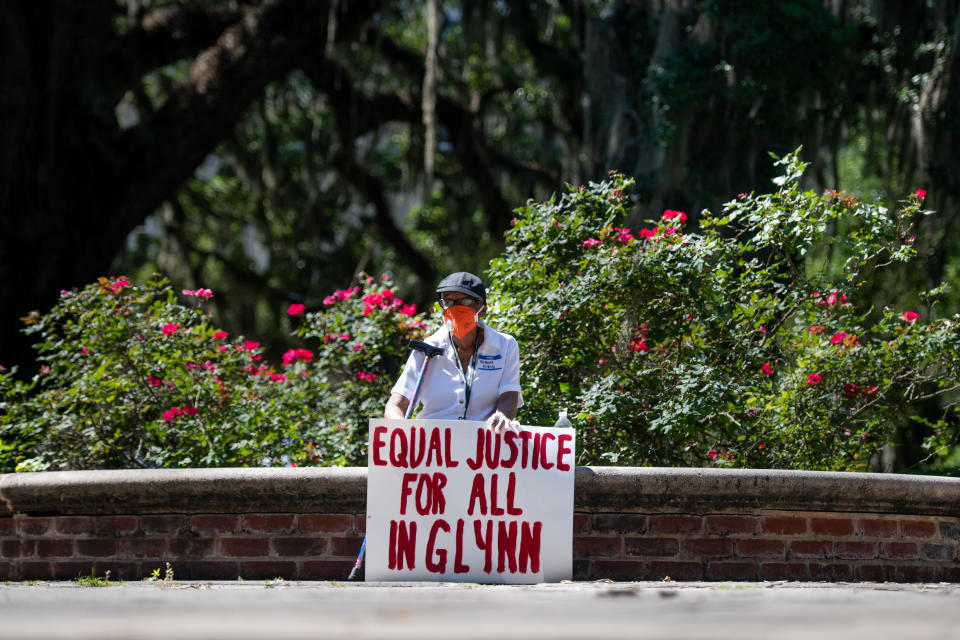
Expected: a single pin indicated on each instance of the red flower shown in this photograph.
(814, 379)
(712, 453)
(171, 413)
(372, 299)
(646, 234)
(816, 328)
(277, 377)
(408, 309)
(188, 410)
(766, 368)
(386, 294)
(369, 377)
(170, 328)
(910, 316)
(638, 345)
(589, 243)
(851, 390)
(838, 337)
(220, 335)
(118, 285)
(250, 345)
(154, 382)
(920, 193)
(670, 214)
(292, 355)
(357, 347)
(296, 308)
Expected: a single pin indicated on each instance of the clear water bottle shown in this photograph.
(563, 421)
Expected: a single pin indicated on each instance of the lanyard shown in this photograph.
(471, 374)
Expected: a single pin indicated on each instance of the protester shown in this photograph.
(478, 375)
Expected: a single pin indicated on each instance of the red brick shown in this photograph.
(244, 547)
(360, 524)
(162, 524)
(297, 547)
(118, 570)
(142, 548)
(115, 525)
(898, 550)
(830, 572)
(212, 524)
(731, 524)
(34, 571)
(783, 525)
(348, 547)
(34, 526)
(206, 570)
(949, 574)
(62, 570)
(190, 547)
(878, 528)
(581, 523)
(96, 548)
(648, 547)
(675, 524)
(753, 548)
(708, 547)
(7, 526)
(838, 527)
(782, 571)
(325, 523)
(15, 548)
(55, 548)
(849, 550)
(326, 569)
(267, 570)
(6, 571)
(872, 572)
(917, 529)
(942, 552)
(597, 546)
(619, 523)
(811, 548)
(620, 570)
(74, 525)
(269, 522)
(660, 569)
(923, 573)
(731, 571)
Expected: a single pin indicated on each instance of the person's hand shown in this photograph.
(499, 423)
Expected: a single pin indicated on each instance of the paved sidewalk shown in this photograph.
(209, 610)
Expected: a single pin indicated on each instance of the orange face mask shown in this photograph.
(460, 320)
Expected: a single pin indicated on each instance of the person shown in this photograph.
(478, 375)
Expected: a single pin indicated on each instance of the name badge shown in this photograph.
(490, 363)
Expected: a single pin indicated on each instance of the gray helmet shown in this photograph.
(463, 282)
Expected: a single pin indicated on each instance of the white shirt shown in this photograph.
(443, 392)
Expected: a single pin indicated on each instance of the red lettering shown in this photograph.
(530, 547)
(458, 566)
(415, 459)
(403, 543)
(434, 448)
(398, 454)
(511, 439)
(535, 457)
(423, 506)
(476, 462)
(525, 436)
(507, 542)
(405, 491)
(446, 440)
(544, 451)
(493, 457)
(485, 543)
(477, 493)
(511, 494)
(441, 565)
(439, 502)
(377, 445)
(494, 509)
(561, 450)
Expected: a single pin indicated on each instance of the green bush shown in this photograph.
(734, 346)
(131, 377)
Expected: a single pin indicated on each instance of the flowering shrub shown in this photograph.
(740, 345)
(133, 378)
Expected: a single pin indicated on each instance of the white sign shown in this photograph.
(449, 500)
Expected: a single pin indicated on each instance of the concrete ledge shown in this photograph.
(598, 489)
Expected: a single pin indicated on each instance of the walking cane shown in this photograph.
(429, 351)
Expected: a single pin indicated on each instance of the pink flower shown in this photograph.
(369, 377)
(367, 310)
(623, 235)
(220, 335)
(118, 285)
(814, 379)
(189, 410)
(670, 214)
(589, 243)
(669, 231)
(712, 453)
(766, 368)
(199, 293)
(344, 336)
(171, 413)
(83, 350)
(357, 347)
(386, 294)
(816, 328)
(851, 390)
(763, 329)
(330, 301)
(292, 355)
(296, 308)
(638, 345)
(910, 316)
(154, 382)
(372, 299)
(408, 309)
(557, 224)
(277, 377)
(920, 193)
(838, 337)
(250, 345)
(646, 234)
(170, 328)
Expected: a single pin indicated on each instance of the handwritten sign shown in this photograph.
(448, 500)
